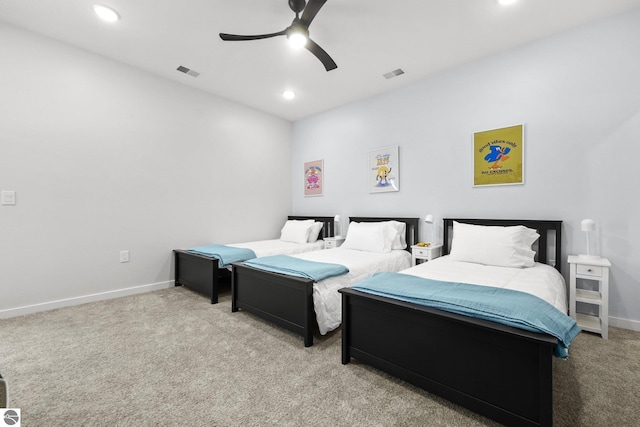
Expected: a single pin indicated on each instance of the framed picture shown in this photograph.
(384, 170)
(313, 178)
(498, 156)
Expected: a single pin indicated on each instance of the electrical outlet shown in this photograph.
(8, 197)
(124, 256)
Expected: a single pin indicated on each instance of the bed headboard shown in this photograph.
(547, 247)
(328, 229)
(411, 234)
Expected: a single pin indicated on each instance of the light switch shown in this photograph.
(8, 197)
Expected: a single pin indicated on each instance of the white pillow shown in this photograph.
(400, 241)
(315, 231)
(296, 231)
(370, 236)
(493, 245)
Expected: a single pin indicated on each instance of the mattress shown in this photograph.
(327, 300)
(541, 280)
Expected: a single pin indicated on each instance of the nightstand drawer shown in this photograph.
(422, 252)
(589, 270)
(425, 253)
(333, 242)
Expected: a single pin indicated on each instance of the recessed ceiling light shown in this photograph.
(288, 94)
(106, 13)
(506, 2)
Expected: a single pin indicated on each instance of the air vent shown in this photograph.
(188, 71)
(392, 74)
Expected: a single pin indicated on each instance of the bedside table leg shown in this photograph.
(572, 291)
(604, 316)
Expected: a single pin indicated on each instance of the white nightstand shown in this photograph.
(596, 270)
(426, 253)
(333, 242)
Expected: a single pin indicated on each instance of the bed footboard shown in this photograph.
(198, 272)
(286, 301)
(497, 371)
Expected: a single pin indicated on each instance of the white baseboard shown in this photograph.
(35, 308)
(616, 322)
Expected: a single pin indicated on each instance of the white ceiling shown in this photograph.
(366, 38)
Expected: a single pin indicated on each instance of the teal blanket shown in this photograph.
(512, 308)
(226, 254)
(292, 266)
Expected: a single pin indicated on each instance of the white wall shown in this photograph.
(578, 95)
(105, 158)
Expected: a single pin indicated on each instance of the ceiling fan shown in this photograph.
(299, 29)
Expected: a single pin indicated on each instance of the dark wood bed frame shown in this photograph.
(500, 372)
(285, 300)
(202, 274)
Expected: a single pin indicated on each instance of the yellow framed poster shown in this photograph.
(498, 156)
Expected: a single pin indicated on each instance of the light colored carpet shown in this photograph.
(170, 358)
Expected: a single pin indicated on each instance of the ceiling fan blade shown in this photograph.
(311, 11)
(236, 37)
(323, 56)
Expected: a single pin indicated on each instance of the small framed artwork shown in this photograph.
(384, 170)
(313, 178)
(498, 156)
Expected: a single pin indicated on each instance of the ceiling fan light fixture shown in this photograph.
(288, 94)
(297, 39)
(507, 2)
(105, 13)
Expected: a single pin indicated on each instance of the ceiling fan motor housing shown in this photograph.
(297, 5)
(297, 27)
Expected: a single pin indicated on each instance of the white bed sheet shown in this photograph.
(327, 300)
(541, 280)
(279, 247)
